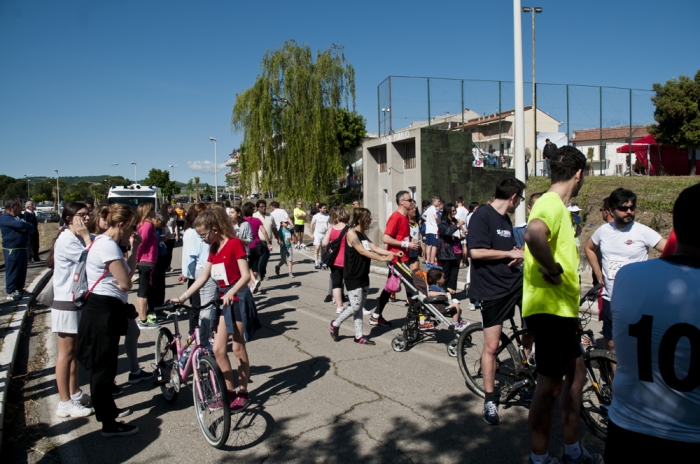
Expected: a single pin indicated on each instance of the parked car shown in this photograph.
(45, 207)
(47, 217)
(207, 198)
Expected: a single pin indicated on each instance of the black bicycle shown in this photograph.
(517, 373)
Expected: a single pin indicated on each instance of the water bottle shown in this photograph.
(185, 355)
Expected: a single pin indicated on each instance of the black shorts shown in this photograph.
(607, 320)
(299, 228)
(556, 343)
(145, 279)
(495, 312)
(336, 276)
(623, 446)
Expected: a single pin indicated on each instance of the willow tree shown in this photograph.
(288, 121)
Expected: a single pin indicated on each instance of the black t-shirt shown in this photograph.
(356, 267)
(492, 279)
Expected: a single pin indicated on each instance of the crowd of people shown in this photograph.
(649, 308)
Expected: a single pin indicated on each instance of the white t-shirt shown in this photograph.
(620, 247)
(267, 224)
(67, 251)
(462, 215)
(279, 216)
(104, 250)
(321, 221)
(657, 390)
(430, 216)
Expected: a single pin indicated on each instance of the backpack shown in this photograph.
(333, 248)
(79, 286)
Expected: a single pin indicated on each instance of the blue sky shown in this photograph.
(85, 84)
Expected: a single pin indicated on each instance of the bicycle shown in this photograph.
(211, 403)
(516, 373)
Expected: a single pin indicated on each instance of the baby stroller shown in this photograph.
(421, 305)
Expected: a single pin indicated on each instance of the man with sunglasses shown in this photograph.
(621, 241)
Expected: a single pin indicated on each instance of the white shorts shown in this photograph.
(63, 321)
(318, 239)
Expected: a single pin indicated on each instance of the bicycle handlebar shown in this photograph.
(591, 294)
(175, 306)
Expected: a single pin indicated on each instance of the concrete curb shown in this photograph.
(11, 344)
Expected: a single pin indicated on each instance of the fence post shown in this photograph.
(600, 146)
(389, 107)
(500, 131)
(568, 125)
(462, 110)
(379, 110)
(630, 144)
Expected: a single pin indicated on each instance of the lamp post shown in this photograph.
(385, 111)
(134, 163)
(29, 195)
(519, 129)
(533, 10)
(172, 166)
(216, 173)
(58, 194)
(109, 176)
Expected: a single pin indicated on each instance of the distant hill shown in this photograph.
(71, 180)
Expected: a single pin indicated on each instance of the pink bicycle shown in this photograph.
(174, 362)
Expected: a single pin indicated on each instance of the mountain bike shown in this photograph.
(517, 374)
(175, 361)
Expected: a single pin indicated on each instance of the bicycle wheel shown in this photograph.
(469, 349)
(211, 403)
(596, 399)
(166, 360)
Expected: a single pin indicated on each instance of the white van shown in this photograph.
(135, 194)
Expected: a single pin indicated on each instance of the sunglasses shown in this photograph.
(624, 209)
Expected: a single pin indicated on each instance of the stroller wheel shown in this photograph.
(399, 343)
(452, 348)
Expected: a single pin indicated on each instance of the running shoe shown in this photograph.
(119, 429)
(83, 398)
(585, 458)
(366, 312)
(491, 413)
(334, 332)
(328, 299)
(123, 412)
(146, 324)
(240, 402)
(380, 321)
(472, 307)
(460, 326)
(291, 276)
(427, 325)
(24, 293)
(277, 271)
(142, 375)
(14, 296)
(364, 341)
(116, 390)
(256, 286)
(73, 409)
(550, 460)
(340, 310)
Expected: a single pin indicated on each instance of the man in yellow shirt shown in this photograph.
(299, 216)
(551, 293)
(180, 211)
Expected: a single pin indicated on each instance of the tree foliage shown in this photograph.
(161, 179)
(350, 128)
(288, 120)
(677, 112)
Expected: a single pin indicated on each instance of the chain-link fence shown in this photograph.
(474, 105)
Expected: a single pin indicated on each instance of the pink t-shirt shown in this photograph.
(255, 225)
(148, 250)
(340, 259)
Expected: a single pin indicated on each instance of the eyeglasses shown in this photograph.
(623, 209)
(81, 215)
(205, 236)
(405, 199)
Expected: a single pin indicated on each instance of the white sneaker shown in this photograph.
(340, 309)
(366, 312)
(73, 409)
(84, 399)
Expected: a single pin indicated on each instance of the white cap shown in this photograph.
(573, 208)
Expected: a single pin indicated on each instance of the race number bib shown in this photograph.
(218, 273)
(615, 263)
(365, 243)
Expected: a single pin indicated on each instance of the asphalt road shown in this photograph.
(313, 400)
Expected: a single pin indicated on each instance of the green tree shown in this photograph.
(196, 186)
(15, 191)
(677, 113)
(350, 129)
(5, 181)
(74, 196)
(161, 179)
(40, 198)
(208, 190)
(288, 120)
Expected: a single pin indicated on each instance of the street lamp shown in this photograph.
(58, 195)
(29, 195)
(533, 10)
(385, 111)
(109, 176)
(134, 163)
(172, 166)
(519, 116)
(216, 173)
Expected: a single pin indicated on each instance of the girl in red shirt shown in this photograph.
(228, 266)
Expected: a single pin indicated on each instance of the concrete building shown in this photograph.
(604, 144)
(426, 162)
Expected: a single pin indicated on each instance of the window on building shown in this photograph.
(408, 153)
(379, 154)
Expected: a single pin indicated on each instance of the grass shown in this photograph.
(47, 233)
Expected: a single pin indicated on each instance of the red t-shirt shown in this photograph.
(340, 259)
(670, 247)
(224, 264)
(397, 227)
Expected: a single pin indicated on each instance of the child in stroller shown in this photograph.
(436, 282)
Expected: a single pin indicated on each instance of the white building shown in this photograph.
(606, 141)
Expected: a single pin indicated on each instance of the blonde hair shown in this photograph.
(361, 216)
(122, 213)
(342, 215)
(143, 211)
(216, 216)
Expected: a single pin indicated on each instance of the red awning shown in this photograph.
(639, 145)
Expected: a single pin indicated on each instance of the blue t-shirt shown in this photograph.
(286, 237)
(437, 288)
(162, 249)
